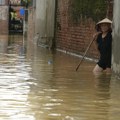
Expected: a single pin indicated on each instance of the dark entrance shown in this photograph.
(15, 17)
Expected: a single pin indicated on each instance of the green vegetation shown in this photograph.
(26, 2)
(82, 9)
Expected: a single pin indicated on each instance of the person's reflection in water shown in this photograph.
(102, 94)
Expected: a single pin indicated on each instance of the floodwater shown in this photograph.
(38, 84)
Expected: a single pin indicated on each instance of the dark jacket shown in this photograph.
(105, 48)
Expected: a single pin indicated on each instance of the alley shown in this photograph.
(39, 84)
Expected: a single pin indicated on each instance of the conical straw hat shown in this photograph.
(106, 20)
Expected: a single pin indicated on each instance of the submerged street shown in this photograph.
(39, 84)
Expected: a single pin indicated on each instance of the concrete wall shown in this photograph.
(31, 24)
(3, 20)
(116, 38)
(3, 28)
(45, 11)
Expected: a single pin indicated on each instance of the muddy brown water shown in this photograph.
(38, 84)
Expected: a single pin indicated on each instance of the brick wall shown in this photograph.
(71, 37)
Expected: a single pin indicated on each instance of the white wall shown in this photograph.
(45, 11)
(116, 38)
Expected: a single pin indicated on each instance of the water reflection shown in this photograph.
(3, 43)
(43, 85)
(103, 96)
(14, 86)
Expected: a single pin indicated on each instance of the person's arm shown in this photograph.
(95, 36)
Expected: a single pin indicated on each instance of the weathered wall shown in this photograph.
(116, 38)
(75, 31)
(31, 23)
(45, 11)
(3, 28)
(3, 20)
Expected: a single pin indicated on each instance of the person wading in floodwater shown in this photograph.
(104, 45)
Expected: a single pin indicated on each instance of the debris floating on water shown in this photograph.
(50, 62)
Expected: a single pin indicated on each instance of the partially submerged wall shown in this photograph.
(116, 38)
(45, 13)
(3, 28)
(75, 24)
(41, 22)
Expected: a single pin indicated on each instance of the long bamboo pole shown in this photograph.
(85, 53)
